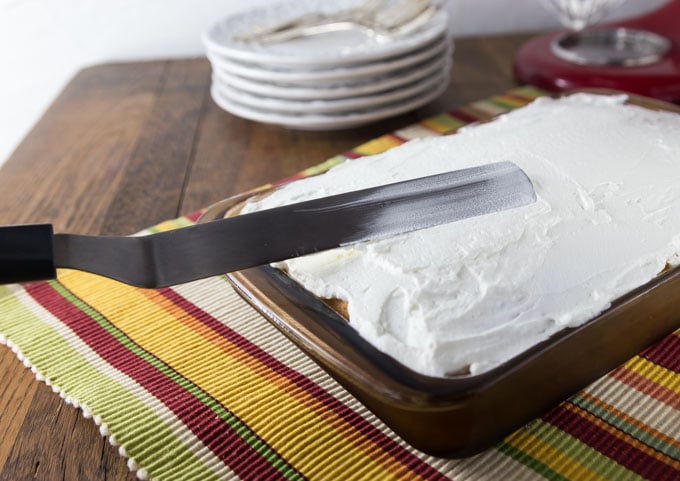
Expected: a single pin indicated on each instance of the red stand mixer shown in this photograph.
(640, 55)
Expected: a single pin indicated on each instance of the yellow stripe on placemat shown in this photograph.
(443, 123)
(653, 372)
(379, 145)
(549, 449)
(226, 373)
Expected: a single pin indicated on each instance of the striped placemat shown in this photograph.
(192, 384)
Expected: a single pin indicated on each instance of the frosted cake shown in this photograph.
(464, 297)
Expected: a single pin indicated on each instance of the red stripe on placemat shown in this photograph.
(329, 401)
(193, 217)
(290, 178)
(397, 137)
(665, 353)
(350, 154)
(519, 97)
(646, 386)
(465, 117)
(216, 434)
(610, 445)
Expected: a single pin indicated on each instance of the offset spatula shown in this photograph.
(32, 252)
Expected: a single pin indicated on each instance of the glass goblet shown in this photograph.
(615, 46)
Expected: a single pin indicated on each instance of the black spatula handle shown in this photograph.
(26, 253)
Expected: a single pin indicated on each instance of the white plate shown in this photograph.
(369, 86)
(330, 76)
(324, 122)
(337, 48)
(331, 106)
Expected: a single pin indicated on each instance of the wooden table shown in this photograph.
(128, 145)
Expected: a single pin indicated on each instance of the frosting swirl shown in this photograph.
(467, 296)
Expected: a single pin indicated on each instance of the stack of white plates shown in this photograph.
(328, 81)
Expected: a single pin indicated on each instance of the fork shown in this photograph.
(398, 20)
(366, 8)
(392, 23)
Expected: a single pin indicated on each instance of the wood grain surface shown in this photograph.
(128, 145)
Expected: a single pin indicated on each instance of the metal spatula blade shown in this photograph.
(32, 252)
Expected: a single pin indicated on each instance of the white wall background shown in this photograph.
(43, 43)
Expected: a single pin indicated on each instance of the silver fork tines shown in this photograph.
(398, 20)
(361, 11)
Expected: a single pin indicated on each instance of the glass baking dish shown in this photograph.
(461, 416)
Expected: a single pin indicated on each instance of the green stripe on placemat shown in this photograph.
(193, 384)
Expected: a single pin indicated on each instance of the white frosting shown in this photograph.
(475, 293)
